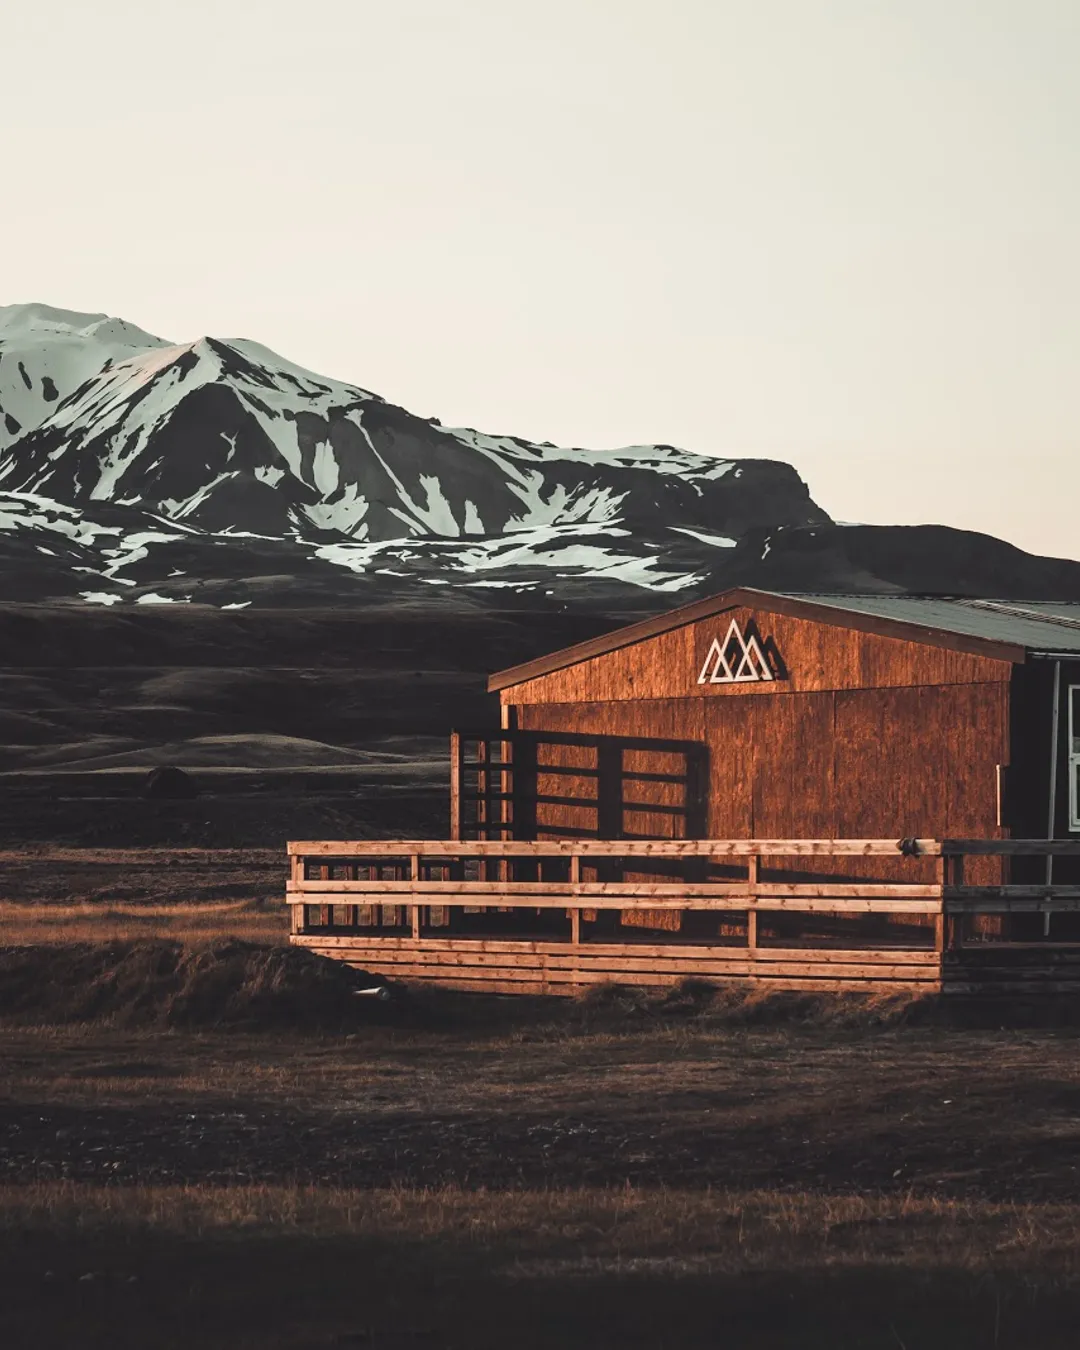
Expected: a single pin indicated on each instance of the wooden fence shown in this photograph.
(557, 915)
(522, 784)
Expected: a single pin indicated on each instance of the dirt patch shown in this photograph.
(972, 1117)
(623, 1171)
(225, 982)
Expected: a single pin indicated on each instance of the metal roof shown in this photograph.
(1043, 626)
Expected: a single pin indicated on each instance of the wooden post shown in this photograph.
(575, 913)
(753, 870)
(506, 810)
(414, 910)
(951, 873)
(455, 785)
(297, 913)
(352, 872)
(508, 721)
(483, 801)
(941, 869)
(524, 789)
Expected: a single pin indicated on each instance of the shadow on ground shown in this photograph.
(280, 1294)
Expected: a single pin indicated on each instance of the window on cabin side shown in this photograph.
(1074, 757)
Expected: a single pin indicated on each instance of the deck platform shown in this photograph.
(556, 916)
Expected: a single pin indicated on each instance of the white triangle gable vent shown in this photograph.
(736, 660)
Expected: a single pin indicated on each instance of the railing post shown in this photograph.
(953, 875)
(297, 913)
(506, 810)
(483, 800)
(753, 873)
(455, 784)
(524, 788)
(414, 909)
(575, 913)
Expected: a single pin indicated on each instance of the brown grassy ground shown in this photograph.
(286, 1267)
(453, 1171)
(606, 1177)
(32, 925)
(96, 895)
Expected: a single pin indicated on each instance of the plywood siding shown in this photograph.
(861, 763)
(871, 763)
(809, 656)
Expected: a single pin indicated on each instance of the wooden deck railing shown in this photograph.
(530, 915)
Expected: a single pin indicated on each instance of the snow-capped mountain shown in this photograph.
(46, 354)
(208, 440)
(140, 470)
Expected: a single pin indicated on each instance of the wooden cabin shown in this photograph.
(815, 717)
(754, 786)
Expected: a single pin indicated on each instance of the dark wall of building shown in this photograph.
(1029, 780)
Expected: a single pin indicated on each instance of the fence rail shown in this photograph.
(349, 849)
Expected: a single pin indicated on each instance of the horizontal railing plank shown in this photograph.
(642, 971)
(675, 951)
(724, 963)
(605, 848)
(546, 900)
(524, 892)
(509, 979)
(1006, 848)
(540, 988)
(1038, 892)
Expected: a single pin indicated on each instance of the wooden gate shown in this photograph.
(541, 785)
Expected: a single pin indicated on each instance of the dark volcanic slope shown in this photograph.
(301, 725)
(879, 559)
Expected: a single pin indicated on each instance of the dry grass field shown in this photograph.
(186, 1161)
(50, 895)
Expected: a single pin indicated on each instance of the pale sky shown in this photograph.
(842, 233)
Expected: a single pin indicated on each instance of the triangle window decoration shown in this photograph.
(736, 660)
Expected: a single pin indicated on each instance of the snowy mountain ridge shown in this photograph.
(134, 470)
(135, 437)
(46, 354)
